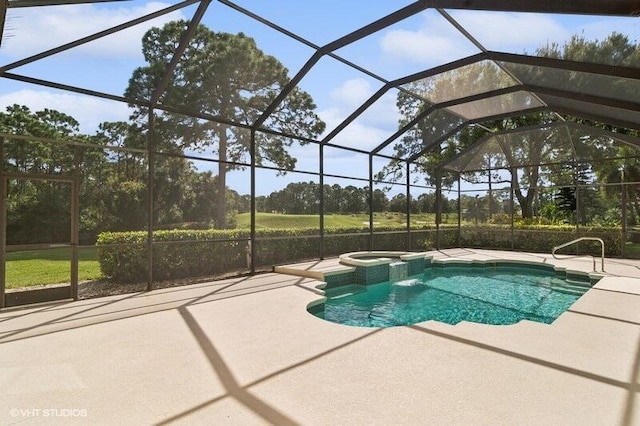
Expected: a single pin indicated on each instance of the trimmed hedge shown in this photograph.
(195, 253)
(176, 254)
(542, 239)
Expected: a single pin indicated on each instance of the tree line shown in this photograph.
(304, 198)
(113, 184)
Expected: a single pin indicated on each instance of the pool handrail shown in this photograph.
(577, 240)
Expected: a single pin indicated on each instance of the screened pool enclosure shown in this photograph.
(170, 142)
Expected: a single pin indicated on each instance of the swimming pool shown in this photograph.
(489, 294)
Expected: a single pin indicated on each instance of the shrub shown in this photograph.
(501, 219)
(176, 253)
(194, 253)
(542, 239)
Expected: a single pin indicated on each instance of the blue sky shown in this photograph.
(417, 43)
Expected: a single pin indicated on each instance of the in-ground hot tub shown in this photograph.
(378, 266)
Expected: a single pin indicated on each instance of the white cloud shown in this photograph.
(384, 112)
(601, 29)
(421, 47)
(352, 92)
(512, 32)
(436, 41)
(88, 111)
(38, 29)
(358, 134)
(368, 130)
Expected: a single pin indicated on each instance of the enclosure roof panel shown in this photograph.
(549, 144)
(418, 71)
(496, 105)
(467, 80)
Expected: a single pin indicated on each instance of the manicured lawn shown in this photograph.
(632, 250)
(276, 220)
(52, 266)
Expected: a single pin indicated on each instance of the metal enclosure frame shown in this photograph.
(538, 91)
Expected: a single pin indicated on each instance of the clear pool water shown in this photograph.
(491, 295)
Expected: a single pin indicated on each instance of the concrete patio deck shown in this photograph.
(245, 351)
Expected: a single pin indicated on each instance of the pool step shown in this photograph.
(569, 291)
(344, 291)
(578, 284)
(574, 288)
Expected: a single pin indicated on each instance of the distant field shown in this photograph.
(51, 266)
(275, 220)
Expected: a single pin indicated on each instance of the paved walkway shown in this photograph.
(244, 351)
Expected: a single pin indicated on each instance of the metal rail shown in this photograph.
(577, 240)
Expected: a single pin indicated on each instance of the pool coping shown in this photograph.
(349, 262)
(382, 257)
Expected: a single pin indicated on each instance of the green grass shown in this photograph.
(51, 266)
(632, 250)
(275, 220)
